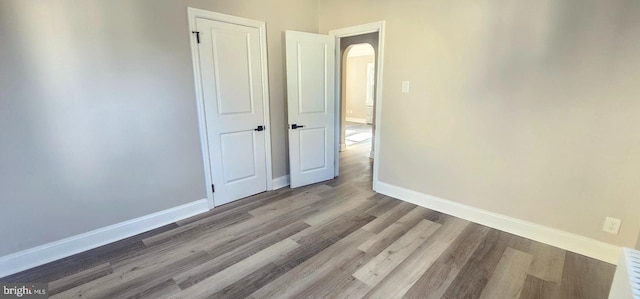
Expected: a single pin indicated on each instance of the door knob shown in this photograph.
(259, 128)
(295, 126)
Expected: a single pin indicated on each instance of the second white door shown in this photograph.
(232, 88)
(310, 100)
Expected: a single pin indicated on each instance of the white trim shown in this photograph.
(200, 105)
(357, 29)
(281, 182)
(554, 237)
(194, 13)
(356, 120)
(351, 31)
(266, 103)
(36, 256)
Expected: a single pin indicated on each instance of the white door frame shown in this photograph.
(351, 31)
(194, 13)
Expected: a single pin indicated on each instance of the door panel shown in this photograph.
(312, 77)
(238, 150)
(310, 100)
(312, 150)
(231, 74)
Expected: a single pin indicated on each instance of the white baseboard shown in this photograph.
(343, 147)
(568, 241)
(36, 256)
(280, 182)
(356, 120)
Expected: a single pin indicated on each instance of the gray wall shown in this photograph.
(98, 117)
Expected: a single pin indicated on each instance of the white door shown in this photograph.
(232, 88)
(310, 99)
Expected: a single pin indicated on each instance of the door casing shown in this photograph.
(351, 31)
(193, 14)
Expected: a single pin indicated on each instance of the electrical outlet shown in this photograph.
(611, 225)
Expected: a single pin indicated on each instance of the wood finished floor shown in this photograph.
(337, 239)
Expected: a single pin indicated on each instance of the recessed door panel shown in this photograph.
(232, 57)
(312, 150)
(239, 152)
(312, 61)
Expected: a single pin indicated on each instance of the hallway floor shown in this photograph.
(356, 133)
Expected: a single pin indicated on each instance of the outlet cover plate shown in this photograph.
(611, 225)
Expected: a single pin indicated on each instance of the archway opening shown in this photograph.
(358, 67)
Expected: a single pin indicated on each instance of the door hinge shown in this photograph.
(213, 188)
(197, 35)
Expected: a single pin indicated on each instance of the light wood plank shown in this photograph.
(223, 261)
(509, 276)
(244, 232)
(402, 278)
(387, 204)
(338, 209)
(350, 219)
(323, 288)
(535, 288)
(548, 262)
(379, 267)
(165, 289)
(584, 277)
(239, 206)
(354, 289)
(252, 282)
(228, 276)
(475, 274)
(79, 278)
(133, 281)
(394, 231)
(350, 287)
(341, 191)
(313, 269)
(435, 281)
(187, 231)
(389, 217)
(293, 202)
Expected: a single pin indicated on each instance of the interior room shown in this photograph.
(217, 149)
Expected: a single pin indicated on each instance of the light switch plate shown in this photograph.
(405, 86)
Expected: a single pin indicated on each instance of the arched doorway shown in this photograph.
(358, 94)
